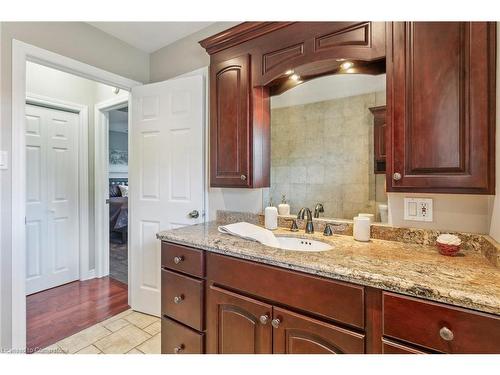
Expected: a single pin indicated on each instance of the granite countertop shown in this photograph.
(468, 280)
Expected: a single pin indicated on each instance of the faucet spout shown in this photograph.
(309, 222)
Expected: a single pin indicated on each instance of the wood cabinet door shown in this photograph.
(298, 334)
(230, 152)
(441, 106)
(379, 136)
(236, 324)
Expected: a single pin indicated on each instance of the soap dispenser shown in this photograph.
(283, 207)
(271, 216)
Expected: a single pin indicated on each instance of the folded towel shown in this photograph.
(250, 232)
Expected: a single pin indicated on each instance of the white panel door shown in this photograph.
(166, 174)
(52, 253)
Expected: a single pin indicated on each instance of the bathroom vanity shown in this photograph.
(222, 294)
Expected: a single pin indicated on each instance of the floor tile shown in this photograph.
(115, 324)
(141, 320)
(154, 328)
(122, 341)
(135, 351)
(83, 338)
(152, 346)
(91, 349)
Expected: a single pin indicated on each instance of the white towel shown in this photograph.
(250, 232)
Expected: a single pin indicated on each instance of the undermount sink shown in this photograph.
(302, 244)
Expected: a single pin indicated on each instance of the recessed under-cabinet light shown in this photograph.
(346, 65)
(295, 77)
(289, 72)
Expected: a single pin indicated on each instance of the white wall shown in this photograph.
(76, 40)
(495, 219)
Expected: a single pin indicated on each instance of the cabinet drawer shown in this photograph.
(178, 339)
(389, 347)
(440, 327)
(183, 259)
(182, 298)
(327, 298)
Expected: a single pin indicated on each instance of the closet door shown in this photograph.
(441, 106)
(52, 242)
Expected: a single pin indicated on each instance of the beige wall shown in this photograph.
(76, 40)
(323, 152)
(185, 55)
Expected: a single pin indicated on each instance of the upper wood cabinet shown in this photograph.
(441, 107)
(248, 64)
(230, 123)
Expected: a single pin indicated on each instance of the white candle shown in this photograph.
(361, 230)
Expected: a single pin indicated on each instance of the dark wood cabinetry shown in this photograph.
(237, 324)
(379, 136)
(441, 107)
(244, 307)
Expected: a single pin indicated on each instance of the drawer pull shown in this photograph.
(179, 349)
(264, 319)
(276, 323)
(446, 334)
(178, 299)
(178, 259)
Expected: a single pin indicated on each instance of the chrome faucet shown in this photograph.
(309, 223)
(319, 208)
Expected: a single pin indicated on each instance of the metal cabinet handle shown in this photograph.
(179, 349)
(178, 299)
(178, 259)
(276, 322)
(194, 214)
(243, 177)
(446, 334)
(396, 176)
(264, 319)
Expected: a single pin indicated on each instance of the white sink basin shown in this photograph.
(301, 244)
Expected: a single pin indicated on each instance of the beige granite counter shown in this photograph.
(468, 280)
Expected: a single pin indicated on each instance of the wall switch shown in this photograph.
(418, 209)
(4, 162)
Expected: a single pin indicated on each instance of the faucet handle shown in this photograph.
(328, 230)
(294, 227)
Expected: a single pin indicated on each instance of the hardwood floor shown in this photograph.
(60, 312)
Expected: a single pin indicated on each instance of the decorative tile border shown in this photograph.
(470, 241)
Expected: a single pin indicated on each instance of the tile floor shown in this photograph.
(129, 332)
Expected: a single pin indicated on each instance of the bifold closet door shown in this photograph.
(52, 250)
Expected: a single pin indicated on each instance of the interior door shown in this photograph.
(237, 324)
(166, 175)
(52, 240)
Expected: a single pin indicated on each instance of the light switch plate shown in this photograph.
(4, 162)
(418, 209)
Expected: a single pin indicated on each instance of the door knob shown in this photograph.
(396, 176)
(276, 322)
(194, 214)
(243, 177)
(264, 319)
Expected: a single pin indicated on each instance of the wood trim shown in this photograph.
(373, 321)
(239, 34)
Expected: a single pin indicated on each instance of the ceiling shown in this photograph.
(150, 36)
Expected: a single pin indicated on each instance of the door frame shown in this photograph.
(82, 111)
(21, 53)
(101, 186)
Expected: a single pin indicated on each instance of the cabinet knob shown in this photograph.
(243, 177)
(264, 319)
(396, 176)
(178, 259)
(179, 349)
(276, 322)
(446, 333)
(178, 299)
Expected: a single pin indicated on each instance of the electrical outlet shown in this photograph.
(418, 209)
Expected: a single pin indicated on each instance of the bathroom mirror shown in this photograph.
(327, 146)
